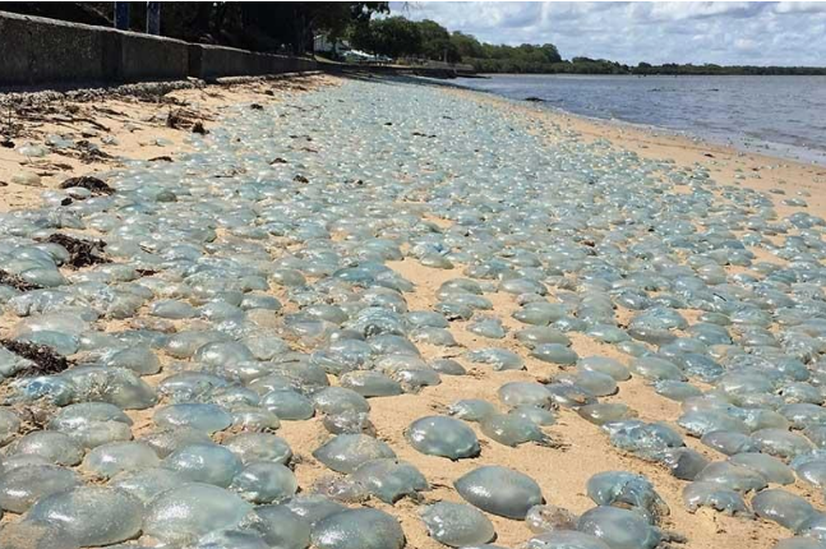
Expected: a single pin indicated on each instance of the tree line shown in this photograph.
(398, 37)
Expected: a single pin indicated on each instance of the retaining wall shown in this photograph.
(36, 51)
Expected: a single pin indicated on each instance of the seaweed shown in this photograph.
(93, 184)
(13, 280)
(46, 361)
(82, 253)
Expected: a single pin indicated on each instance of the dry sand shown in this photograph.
(561, 473)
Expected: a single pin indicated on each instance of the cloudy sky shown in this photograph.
(785, 33)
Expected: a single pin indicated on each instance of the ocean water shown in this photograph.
(777, 115)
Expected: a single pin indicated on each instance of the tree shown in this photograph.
(393, 36)
(436, 41)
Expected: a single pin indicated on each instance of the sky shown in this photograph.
(732, 33)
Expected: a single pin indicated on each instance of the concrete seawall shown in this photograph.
(35, 51)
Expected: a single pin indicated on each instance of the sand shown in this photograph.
(562, 473)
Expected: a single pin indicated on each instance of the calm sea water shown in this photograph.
(778, 115)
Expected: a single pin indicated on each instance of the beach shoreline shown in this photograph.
(561, 473)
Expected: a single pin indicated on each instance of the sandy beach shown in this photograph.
(129, 128)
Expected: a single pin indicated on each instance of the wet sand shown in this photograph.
(562, 474)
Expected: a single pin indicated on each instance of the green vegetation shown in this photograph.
(399, 37)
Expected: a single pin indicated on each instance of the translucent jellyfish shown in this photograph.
(656, 369)
(647, 440)
(284, 526)
(550, 518)
(732, 476)
(602, 413)
(344, 453)
(358, 529)
(93, 423)
(184, 514)
(519, 393)
(774, 470)
(555, 354)
(456, 524)
(145, 484)
(109, 459)
(539, 416)
(710, 494)
(471, 409)
(498, 359)
(259, 447)
(288, 404)
(619, 528)
(92, 515)
(604, 365)
(623, 489)
(208, 463)
(443, 436)
(203, 417)
(698, 423)
(264, 482)
(728, 443)
(370, 384)
(166, 441)
(335, 400)
(784, 508)
(500, 491)
(389, 480)
(349, 422)
(781, 443)
(684, 463)
(20, 488)
(513, 430)
(56, 447)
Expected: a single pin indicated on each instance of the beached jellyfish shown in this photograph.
(92, 515)
(358, 529)
(513, 430)
(443, 436)
(550, 518)
(472, 409)
(728, 442)
(524, 393)
(619, 528)
(344, 453)
(335, 400)
(500, 491)
(55, 447)
(656, 369)
(389, 479)
(684, 463)
(699, 423)
(602, 413)
(781, 443)
(145, 484)
(110, 459)
(774, 470)
(487, 327)
(281, 526)
(623, 489)
(370, 384)
(555, 354)
(732, 476)
(264, 482)
(208, 463)
(646, 440)
(457, 524)
(166, 441)
(20, 488)
(604, 365)
(711, 494)
(569, 395)
(203, 417)
(532, 336)
(185, 513)
(784, 508)
(498, 359)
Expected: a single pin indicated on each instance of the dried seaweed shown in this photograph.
(82, 252)
(93, 184)
(46, 361)
(13, 280)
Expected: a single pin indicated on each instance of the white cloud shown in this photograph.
(783, 33)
